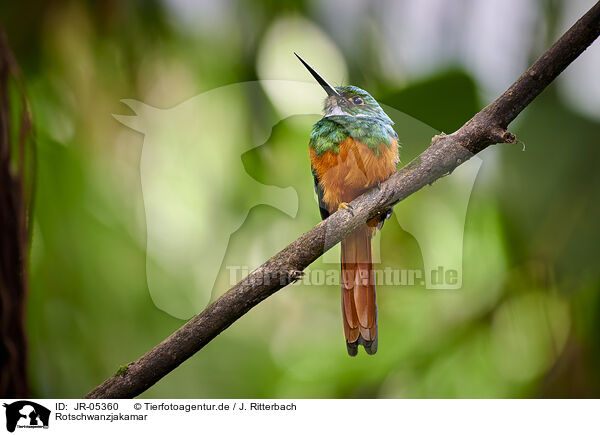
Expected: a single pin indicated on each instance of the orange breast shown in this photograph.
(345, 175)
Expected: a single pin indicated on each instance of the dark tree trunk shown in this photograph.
(14, 228)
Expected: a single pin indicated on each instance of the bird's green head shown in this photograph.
(348, 100)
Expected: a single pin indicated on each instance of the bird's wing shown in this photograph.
(320, 193)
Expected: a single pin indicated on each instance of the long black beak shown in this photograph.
(328, 88)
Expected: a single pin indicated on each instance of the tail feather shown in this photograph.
(359, 303)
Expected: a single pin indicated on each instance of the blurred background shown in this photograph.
(525, 322)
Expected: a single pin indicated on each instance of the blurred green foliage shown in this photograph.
(524, 323)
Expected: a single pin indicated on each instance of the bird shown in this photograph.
(353, 148)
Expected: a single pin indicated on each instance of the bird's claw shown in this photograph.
(347, 207)
(295, 275)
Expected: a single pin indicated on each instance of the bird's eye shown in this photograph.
(358, 101)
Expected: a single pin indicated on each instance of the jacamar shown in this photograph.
(352, 149)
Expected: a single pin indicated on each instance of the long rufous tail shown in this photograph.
(359, 304)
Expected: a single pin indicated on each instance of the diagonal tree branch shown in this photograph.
(445, 153)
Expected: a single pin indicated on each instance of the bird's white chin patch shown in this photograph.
(333, 110)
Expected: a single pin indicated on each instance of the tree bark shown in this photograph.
(445, 153)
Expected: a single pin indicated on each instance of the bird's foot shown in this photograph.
(295, 275)
(347, 207)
